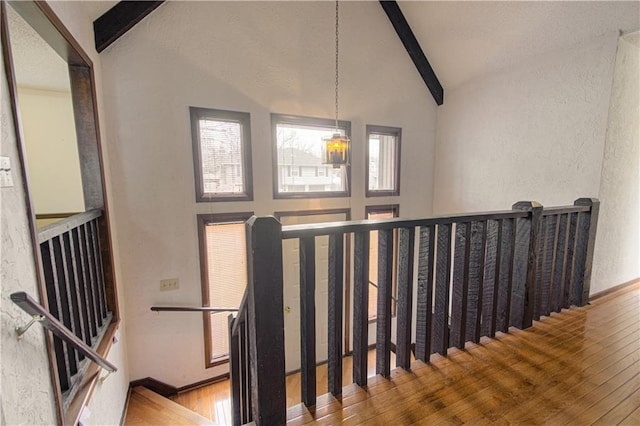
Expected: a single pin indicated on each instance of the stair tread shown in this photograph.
(159, 410)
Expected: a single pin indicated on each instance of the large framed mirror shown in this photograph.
(53, 99)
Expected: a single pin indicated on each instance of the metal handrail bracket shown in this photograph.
(41, 315)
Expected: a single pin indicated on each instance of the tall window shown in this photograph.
(383, 161)
(221, 154)
(298, 171)
(224, 276)
(373, 213)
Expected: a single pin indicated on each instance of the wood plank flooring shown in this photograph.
(578, 367)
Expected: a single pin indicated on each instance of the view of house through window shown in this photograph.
(222, 154)
(226, 277)
(383, 150)
(298, 168)
(373, 213)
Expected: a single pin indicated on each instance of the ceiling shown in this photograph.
(462, 40)
(467, 39)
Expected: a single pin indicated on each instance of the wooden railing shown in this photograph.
(476, 274)
(75, 286)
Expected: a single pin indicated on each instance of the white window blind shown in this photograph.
(227, 272)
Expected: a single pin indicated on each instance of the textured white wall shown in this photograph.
(258, 57)
(534, 131)
(25, 385)
(26, 388)
(52, 150)
(617, 248)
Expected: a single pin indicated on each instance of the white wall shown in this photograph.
(258, 57)
(52, 150)
(26, 391)
(25, 385)
(534, 131)
(617, 251)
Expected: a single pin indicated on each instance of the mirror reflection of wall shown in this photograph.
(46, 110)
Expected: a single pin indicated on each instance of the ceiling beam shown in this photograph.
(413, 49)
(120, 19)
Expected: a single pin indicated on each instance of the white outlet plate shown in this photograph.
(5, 172)
(169, 284)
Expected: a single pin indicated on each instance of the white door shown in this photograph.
(291, 274)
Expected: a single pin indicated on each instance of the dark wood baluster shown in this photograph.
(580, 257)
(424, 305)
(560, 260)
(97, 267)
(476, 280)
(75, 303)
(81, 248)
(360, 307)
(491, 279)
(571, 247)
(245, 384)
(594, 205)
(404, 314)
(51, 282)
(80, 290)
(505, 286)
(548, 253)
(460, 285)
(91, 276)
(540, 292)
(443, 275)
(336, 289)
(526, 259)
(64, 307)
(383, 329)
(308, 319)
(234, 371)
(98, 251)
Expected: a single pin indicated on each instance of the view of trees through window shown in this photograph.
(221, 147)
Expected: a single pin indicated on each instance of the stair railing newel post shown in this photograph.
(526, 258)
(266, 320)
(588, 223)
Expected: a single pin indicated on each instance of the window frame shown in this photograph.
(385, 131)
(244, 119)
(395, 210)
(204, 220)
(311, 122)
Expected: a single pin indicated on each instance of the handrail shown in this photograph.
(210, 309)
(547, 211)
(328, 228)
(55, 229)
(39, 314)
(240, 315)
(371, 283)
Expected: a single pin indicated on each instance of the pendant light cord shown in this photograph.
(337, 60)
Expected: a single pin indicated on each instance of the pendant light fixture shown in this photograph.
(336, 147)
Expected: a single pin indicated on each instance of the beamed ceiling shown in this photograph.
(451, 42)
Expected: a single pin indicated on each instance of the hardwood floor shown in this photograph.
(578, 367)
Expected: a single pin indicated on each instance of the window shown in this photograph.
(373, 213)
(383, 161)
(221, 155)
(297, 146)
(223, 258)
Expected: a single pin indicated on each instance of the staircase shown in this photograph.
(147, 408)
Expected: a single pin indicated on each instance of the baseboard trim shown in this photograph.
(614, 289)
(157, 386)
(168, 391)
(126, 407)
